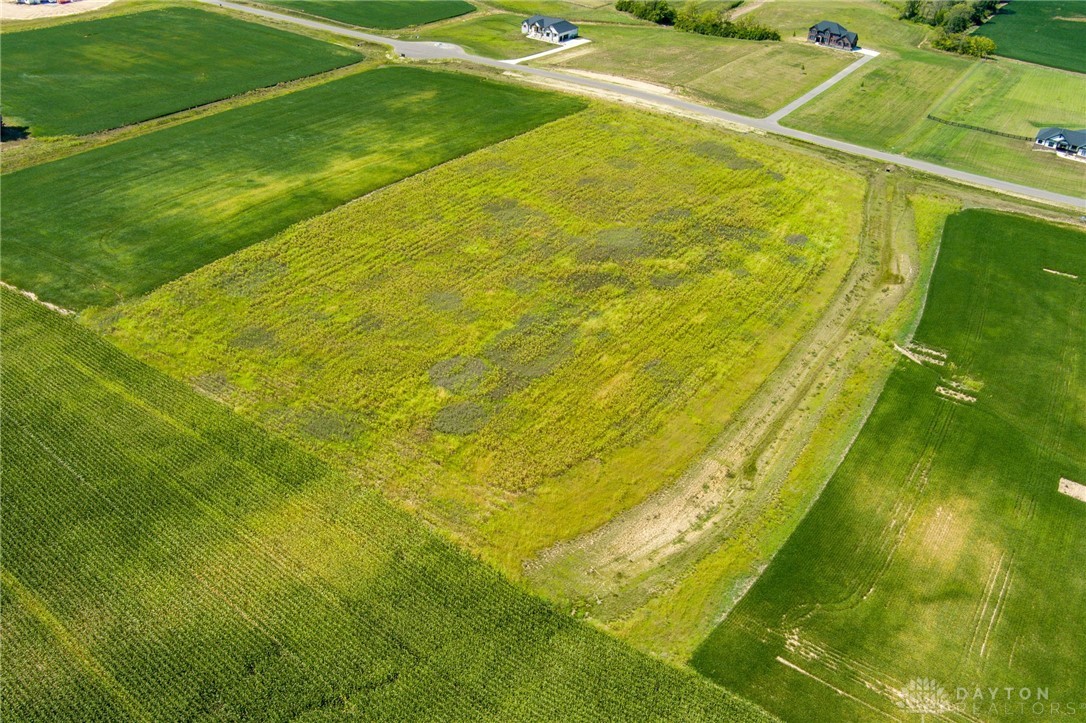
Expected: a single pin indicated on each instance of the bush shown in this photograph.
(689, 19)
(658, 11)
(713, 23)
(977, 46)
(954, 17)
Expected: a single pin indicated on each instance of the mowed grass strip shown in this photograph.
(83, 77)
(140, 212)
(527, 341)
(165, 560)
(942, 548)
(1047, 32)
(379, 14)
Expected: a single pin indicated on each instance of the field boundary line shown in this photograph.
(967, 126)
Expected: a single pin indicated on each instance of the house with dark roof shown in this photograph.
(551, 30)
(833, 35)
(1063, 141)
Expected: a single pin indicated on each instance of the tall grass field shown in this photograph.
(164, 560)
(943, 550)
(522, 343)
(121, 219)
(83, 77)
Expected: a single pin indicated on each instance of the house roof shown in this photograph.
(544, 22)
(828, 26)
(1075, 138)
(563, 26)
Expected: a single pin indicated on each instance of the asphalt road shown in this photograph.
(447, 51)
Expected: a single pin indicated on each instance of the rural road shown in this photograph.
(448, 51)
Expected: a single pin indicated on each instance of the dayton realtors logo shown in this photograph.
(925, 696)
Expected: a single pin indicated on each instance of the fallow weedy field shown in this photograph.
(942, 549)
(82, 77)
(165, 560)
(1047, 32)
(140, 212)
(379, 14)
(518, 349)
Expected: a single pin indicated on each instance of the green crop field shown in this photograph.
(164, 560)
(942, 549)
(518, 349)
(122, 219)
(380, 14)
(754, 78)
(1047, 32)
(83, 77)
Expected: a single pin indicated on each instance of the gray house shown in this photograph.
(551, 30)
(833, 35)
(1061, 140)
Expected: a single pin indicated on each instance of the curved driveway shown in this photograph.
(447, 51)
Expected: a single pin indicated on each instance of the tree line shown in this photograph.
(692, 20)
(953, 19)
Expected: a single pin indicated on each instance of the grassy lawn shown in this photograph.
(518, 349)
(747, 77)
(165, 560)
(884, 105)
(941, 549)
(379, 14)
(496, 35)
(137, 213)
(577, 11)
(1047, 32)
(83, 77)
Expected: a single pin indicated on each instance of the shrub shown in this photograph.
(977, 46)
(660, 12)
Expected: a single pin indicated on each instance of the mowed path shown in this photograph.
(447, 51)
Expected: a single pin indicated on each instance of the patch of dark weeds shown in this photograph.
(460, 418)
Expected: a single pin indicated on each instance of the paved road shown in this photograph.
(439, 51)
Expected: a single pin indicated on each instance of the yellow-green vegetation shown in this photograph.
(753, 78)
(885, 104)
(83, 77)
(142, 211)
(525, 342)
(943, 549)
(663, 574)
(165, 560)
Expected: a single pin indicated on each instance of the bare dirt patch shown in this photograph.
(9, 10)
(1073, 489)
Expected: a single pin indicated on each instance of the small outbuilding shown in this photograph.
(1061, 140)
(833, 35)
(551, 30)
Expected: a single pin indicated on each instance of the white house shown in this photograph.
(1063, 141)
(551, 30)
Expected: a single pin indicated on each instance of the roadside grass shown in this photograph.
(743, 76)
(142, 211)
(884, 104)
(378, 14)
(941, 549)
(1048, 32)
(520, 349)
(496, 35)
(166, 560)
(82, 77)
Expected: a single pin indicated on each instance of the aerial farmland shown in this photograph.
(571, 360)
